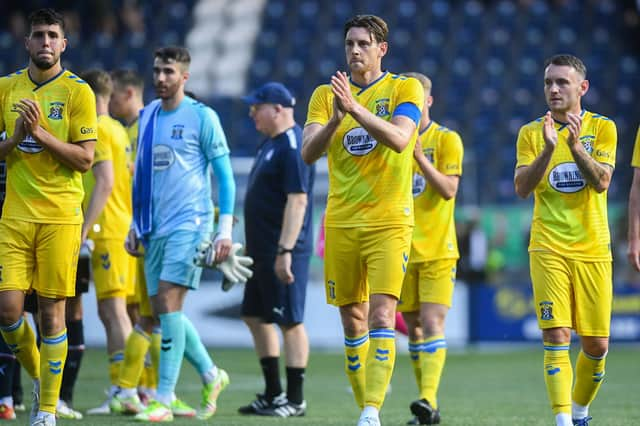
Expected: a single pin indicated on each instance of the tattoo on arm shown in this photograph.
(591, 170)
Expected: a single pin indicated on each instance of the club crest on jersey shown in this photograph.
(29, 145)
(382, 107)
(55, 110)
(429, 153)
(587, 142)
(176, 131)
(546, 310)
(419, 184)
(566, 178)
(358, 142)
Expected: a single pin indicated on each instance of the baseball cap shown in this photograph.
(271, 93)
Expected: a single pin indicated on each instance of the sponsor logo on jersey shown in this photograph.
(419, 184)
(87, 130)
(163, 157)
(30, 146)
(55, 110)
(566, 178)
(358, 142)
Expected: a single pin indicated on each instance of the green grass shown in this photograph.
(478, 388)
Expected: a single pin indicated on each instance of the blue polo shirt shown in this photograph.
(278, 170)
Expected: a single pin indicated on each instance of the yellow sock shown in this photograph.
(53, 355)
(154, 352)
(115, 363)
(143, 381)
(137, 345)
(558, 376)
(433, 356)
(589, 377)
(380, 361)
(414, 356)
(22, 341)
(355, 351)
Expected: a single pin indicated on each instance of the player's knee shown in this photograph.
(595, 347)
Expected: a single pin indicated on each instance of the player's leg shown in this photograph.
(550, 276)
(7, 366)
(593, 293)
(346, 287)
(386, 251)
(75, 351)
(257, 309)
(409, 307)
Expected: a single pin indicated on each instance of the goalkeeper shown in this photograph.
(279, 237)
(179, 140)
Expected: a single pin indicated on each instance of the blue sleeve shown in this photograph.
(212, 137)
(409, 110)
(296, 171)
(226, 183)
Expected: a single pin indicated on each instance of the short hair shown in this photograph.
(567, 60)
(173, 54)
(46, 16)
(374, 24)
(127, 77)
(99, 81)
(423, 79)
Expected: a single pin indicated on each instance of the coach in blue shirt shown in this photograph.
(279, 238)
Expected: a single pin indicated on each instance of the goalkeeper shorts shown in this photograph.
(170, 259)
(268, 298)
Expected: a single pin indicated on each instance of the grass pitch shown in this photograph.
(478, 388)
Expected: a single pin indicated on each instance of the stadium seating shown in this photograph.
(484, 57)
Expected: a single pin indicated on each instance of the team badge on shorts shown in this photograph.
(546, 310)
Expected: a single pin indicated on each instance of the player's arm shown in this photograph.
(320, 128)
(633, 252)
(292, 221)
(527, 177)
(18, 136)
(396, 133)
(445, 185)
(77, 156)
(598, 175)
(226, 199)
(104, 176)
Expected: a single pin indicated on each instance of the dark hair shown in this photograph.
(374, 24)
(567, 60)
(46, 16)
(173, 54)
(127, 77)
(99, 81)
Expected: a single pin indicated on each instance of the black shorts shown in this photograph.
(266, 297)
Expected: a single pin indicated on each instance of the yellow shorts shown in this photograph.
(132, 295)
(428, 282)
(111, 264)
(140, 295)
(39, 256)
(574, 294)
(363, 261)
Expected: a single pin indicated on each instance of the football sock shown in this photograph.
(171, 352)
(115, 363)
(355, 351)
(134, 350)
(558, 376)
(53, 355)
(433, 356)
(414, 355)
(75, 335)
(380, 361)
(7, 365)
(295, 379)
(589, 377)
(271, 373)
(194, 350)
(22, 342)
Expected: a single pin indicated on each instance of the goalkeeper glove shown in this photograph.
(234, 267)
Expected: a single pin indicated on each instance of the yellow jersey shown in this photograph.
(113, 141)
(570, 216)
(39, 187)
(434, 235)
(369, 183)
(132, 132)
(635, 158)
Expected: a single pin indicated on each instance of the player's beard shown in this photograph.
(44, 64)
